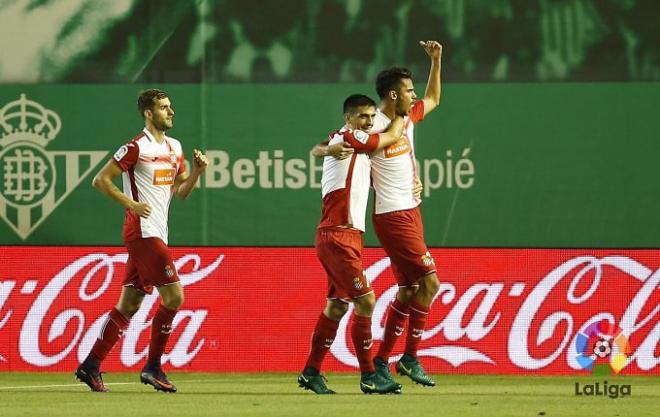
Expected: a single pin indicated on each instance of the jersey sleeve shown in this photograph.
(181, 161)
(417, 111)
(361, 141)
(127, 156)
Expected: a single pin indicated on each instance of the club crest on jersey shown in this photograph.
(400, 147)
(33, 180)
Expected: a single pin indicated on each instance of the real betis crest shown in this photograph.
(33, 180)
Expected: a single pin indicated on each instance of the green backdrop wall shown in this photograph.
(504, 165)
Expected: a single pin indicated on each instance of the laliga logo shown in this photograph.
(34, 181)
(610, 342)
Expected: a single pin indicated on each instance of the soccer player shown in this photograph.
(397, 219)
(153, 170)
(339, 242)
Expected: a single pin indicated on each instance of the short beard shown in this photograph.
(402, 112)
(161, 126)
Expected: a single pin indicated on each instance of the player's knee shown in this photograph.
(335, 310)
(173, 301)
(130, 310)
(430, 285)
(406, 294)
(364, 306)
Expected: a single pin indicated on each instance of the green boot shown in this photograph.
(383, 369)
(411, 368)
(374, 383)
(314, 382)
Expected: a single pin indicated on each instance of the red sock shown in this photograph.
(322, 338)
(397, 316)
(418, 315)
(161, 328)
(362, 342)
(111, 331)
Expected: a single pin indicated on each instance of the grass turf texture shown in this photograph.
(57, 394)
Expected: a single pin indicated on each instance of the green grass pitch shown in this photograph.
(58, 394)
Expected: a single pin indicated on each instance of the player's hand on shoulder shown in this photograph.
(199, 159)
(340, 150)
(141, 209)
(432, 48)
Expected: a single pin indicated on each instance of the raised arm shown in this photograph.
(184, 183)
(103, 182)
(433, 87)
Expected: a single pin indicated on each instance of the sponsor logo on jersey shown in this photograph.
(164, 176)
(400, 147)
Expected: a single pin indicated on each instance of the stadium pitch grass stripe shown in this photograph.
(229, 380)
(79, 384)
(277, 395)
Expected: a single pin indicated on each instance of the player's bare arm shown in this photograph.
(433, 87)
(344, 150)
(103, 181)
(418, 187)
(185, 183)
(392, 134)
(339, 150)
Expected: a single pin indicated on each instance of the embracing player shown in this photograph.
(397, 218)
(339, 242)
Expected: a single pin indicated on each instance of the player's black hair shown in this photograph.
(390, 79)
(357, 100)
(147, 99)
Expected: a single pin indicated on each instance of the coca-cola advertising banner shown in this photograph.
(505, 311)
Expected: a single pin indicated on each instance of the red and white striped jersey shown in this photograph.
(150, 169)
(345, 182)
(393, 168)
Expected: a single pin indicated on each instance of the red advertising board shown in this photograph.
(505, 311)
